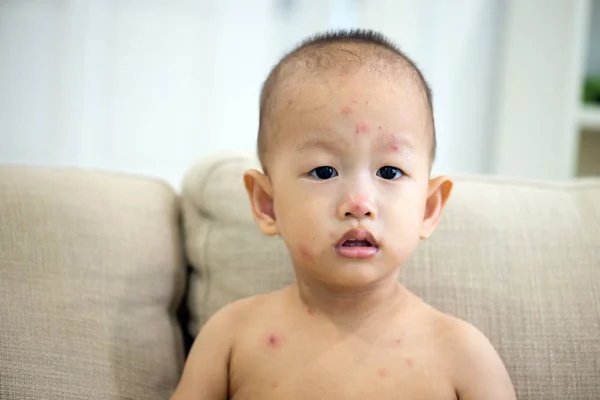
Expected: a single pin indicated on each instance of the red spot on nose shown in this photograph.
(382, 372)
(274, 341)
(346, 110)
(362, 128)
(410, 362)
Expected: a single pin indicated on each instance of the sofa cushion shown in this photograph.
(91, 274)
(519, 260)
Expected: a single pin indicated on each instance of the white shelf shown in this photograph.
(589, 118)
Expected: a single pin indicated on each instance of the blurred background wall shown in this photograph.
(149, 87)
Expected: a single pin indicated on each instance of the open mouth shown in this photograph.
(357, 243)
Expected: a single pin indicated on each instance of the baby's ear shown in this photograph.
(437, 195)
(260, 193)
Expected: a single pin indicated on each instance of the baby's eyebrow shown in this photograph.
(400, 142)
(320, 142)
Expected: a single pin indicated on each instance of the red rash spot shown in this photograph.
(290, 102)
(310, 312)
(403, 333)
(382, 372)
(410, 362)
(394, 147)
(274, 341)
(305, 253)
(398, 341)
(362, 128)
(346, 110)
(275, 385)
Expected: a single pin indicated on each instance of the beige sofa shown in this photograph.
(97, 300)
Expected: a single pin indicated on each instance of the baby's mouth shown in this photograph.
(358, 244)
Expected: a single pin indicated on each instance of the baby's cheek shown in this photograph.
(306, 254)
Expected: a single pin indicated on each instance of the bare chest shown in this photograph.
(276, 365)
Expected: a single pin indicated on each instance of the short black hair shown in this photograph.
(324, 51)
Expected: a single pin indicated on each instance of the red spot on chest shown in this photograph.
(382, 372)
(274, 341)
(346, 111)
(362, 128)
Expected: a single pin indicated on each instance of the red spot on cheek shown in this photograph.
(395, 147)
(332, 235)
(346, 110)
(410, 362)
(274, 341)
(382, 372)
(305, 253)
(362, 128)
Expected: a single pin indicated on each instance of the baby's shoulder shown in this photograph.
(456, 334)
(242, 312)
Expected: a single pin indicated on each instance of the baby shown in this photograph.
(346, 142)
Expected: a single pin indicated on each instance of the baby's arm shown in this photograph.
(479, 372)
(205, 375)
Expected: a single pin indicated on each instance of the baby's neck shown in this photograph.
(352, 308)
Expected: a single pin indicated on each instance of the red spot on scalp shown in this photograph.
(382, 372)
(346, 110)
(274, 341)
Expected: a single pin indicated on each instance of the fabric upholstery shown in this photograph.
(91, 274)
(519, 260)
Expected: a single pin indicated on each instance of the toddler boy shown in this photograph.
(346, 142)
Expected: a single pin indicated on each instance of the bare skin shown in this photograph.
(349, 192)
(274, 346)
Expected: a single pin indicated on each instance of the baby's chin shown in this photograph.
(347, 276)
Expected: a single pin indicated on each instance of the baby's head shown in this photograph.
(346, 142)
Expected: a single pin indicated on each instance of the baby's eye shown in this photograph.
(390, 173)
(323, 173)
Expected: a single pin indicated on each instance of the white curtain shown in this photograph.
(149, 87)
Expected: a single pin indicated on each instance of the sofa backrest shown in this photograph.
(519, 260)
(91, 274)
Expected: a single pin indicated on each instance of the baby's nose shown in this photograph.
(357, 207)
